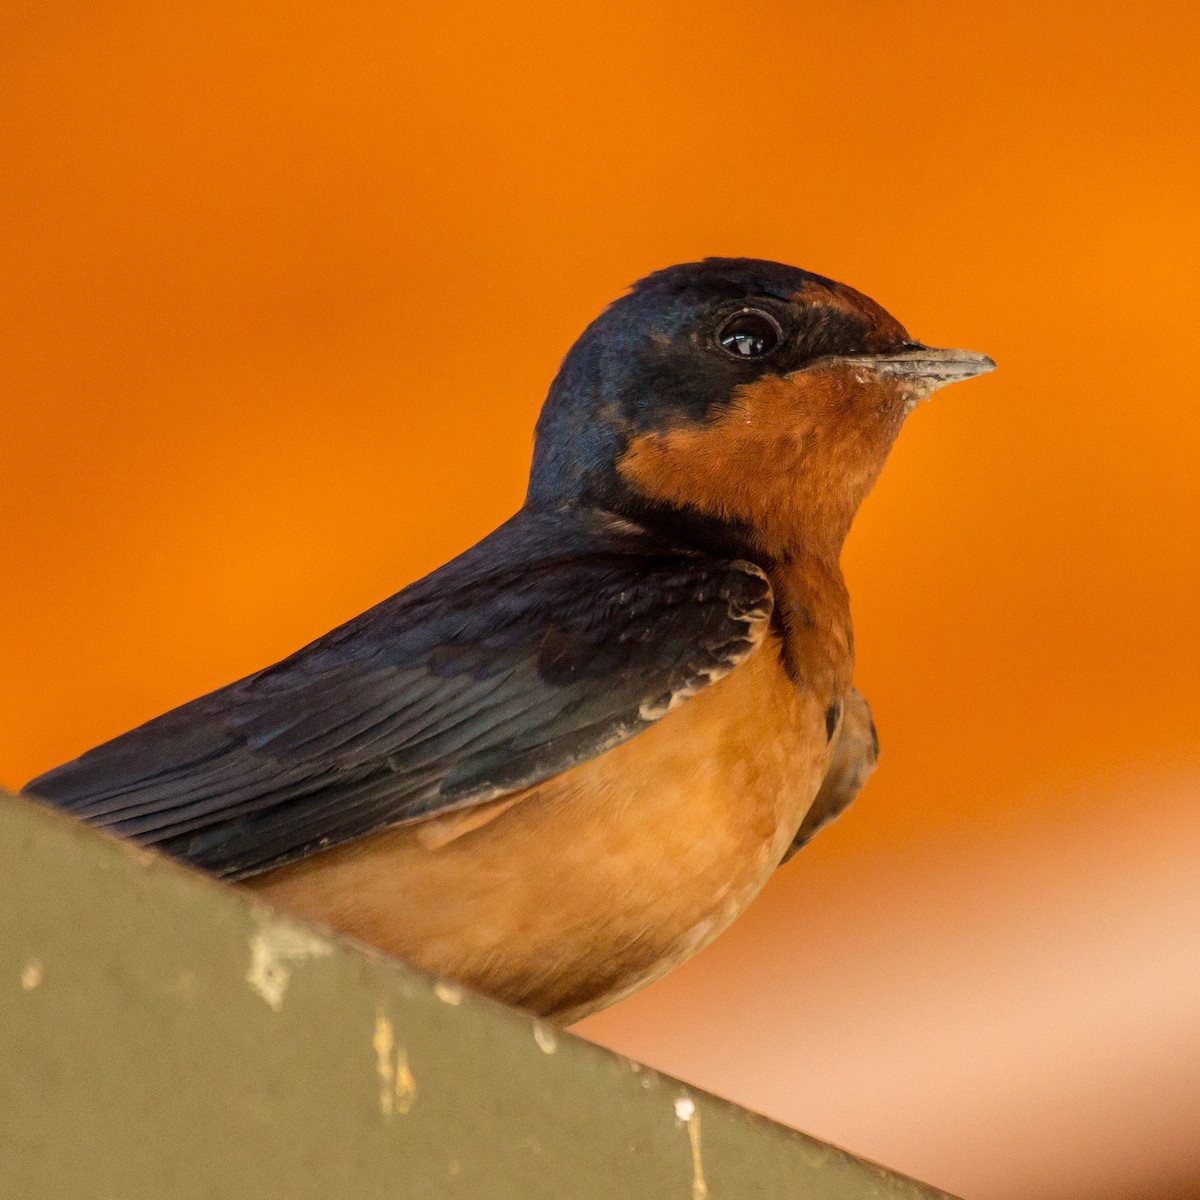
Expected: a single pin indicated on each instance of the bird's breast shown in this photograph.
(576, 891)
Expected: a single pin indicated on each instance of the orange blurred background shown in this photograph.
(283, 289)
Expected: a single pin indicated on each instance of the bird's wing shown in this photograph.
(855, 754)
(471, 684)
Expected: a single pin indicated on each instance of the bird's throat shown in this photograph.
(787, 463)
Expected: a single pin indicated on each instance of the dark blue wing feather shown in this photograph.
(549, 642)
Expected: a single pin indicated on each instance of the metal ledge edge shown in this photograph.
(164, 1035)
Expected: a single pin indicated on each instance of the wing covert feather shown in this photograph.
(486, 677)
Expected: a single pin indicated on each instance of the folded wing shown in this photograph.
(488, 676)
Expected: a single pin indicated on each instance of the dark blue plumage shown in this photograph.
(544, 644)
(644, 363)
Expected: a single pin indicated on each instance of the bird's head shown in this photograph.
(733, 404)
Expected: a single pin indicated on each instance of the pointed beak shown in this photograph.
(926, 368)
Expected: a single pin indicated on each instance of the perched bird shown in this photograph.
(565, 761)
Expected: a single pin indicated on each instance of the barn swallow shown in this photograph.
(565, 761)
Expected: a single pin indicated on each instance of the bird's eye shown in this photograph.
(749, 333)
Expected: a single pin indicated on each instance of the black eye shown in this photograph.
(749, 333)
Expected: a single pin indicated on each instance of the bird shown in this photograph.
(565, 761)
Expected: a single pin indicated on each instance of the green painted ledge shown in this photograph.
(167, 1037)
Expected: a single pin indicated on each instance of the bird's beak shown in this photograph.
(926, 368)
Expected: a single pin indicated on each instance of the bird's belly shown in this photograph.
(583, 888)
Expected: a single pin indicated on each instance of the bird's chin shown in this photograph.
(915, 393)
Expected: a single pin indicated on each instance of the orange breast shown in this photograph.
(583, 888)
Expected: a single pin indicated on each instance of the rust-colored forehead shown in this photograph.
(840, 298)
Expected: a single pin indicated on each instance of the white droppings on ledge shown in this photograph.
(382, 1044)
(406, 1084)
(397, 1085)
(546, 1038)
(686, 1114)
(32, 975)
(448, 993)
(273, 950)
